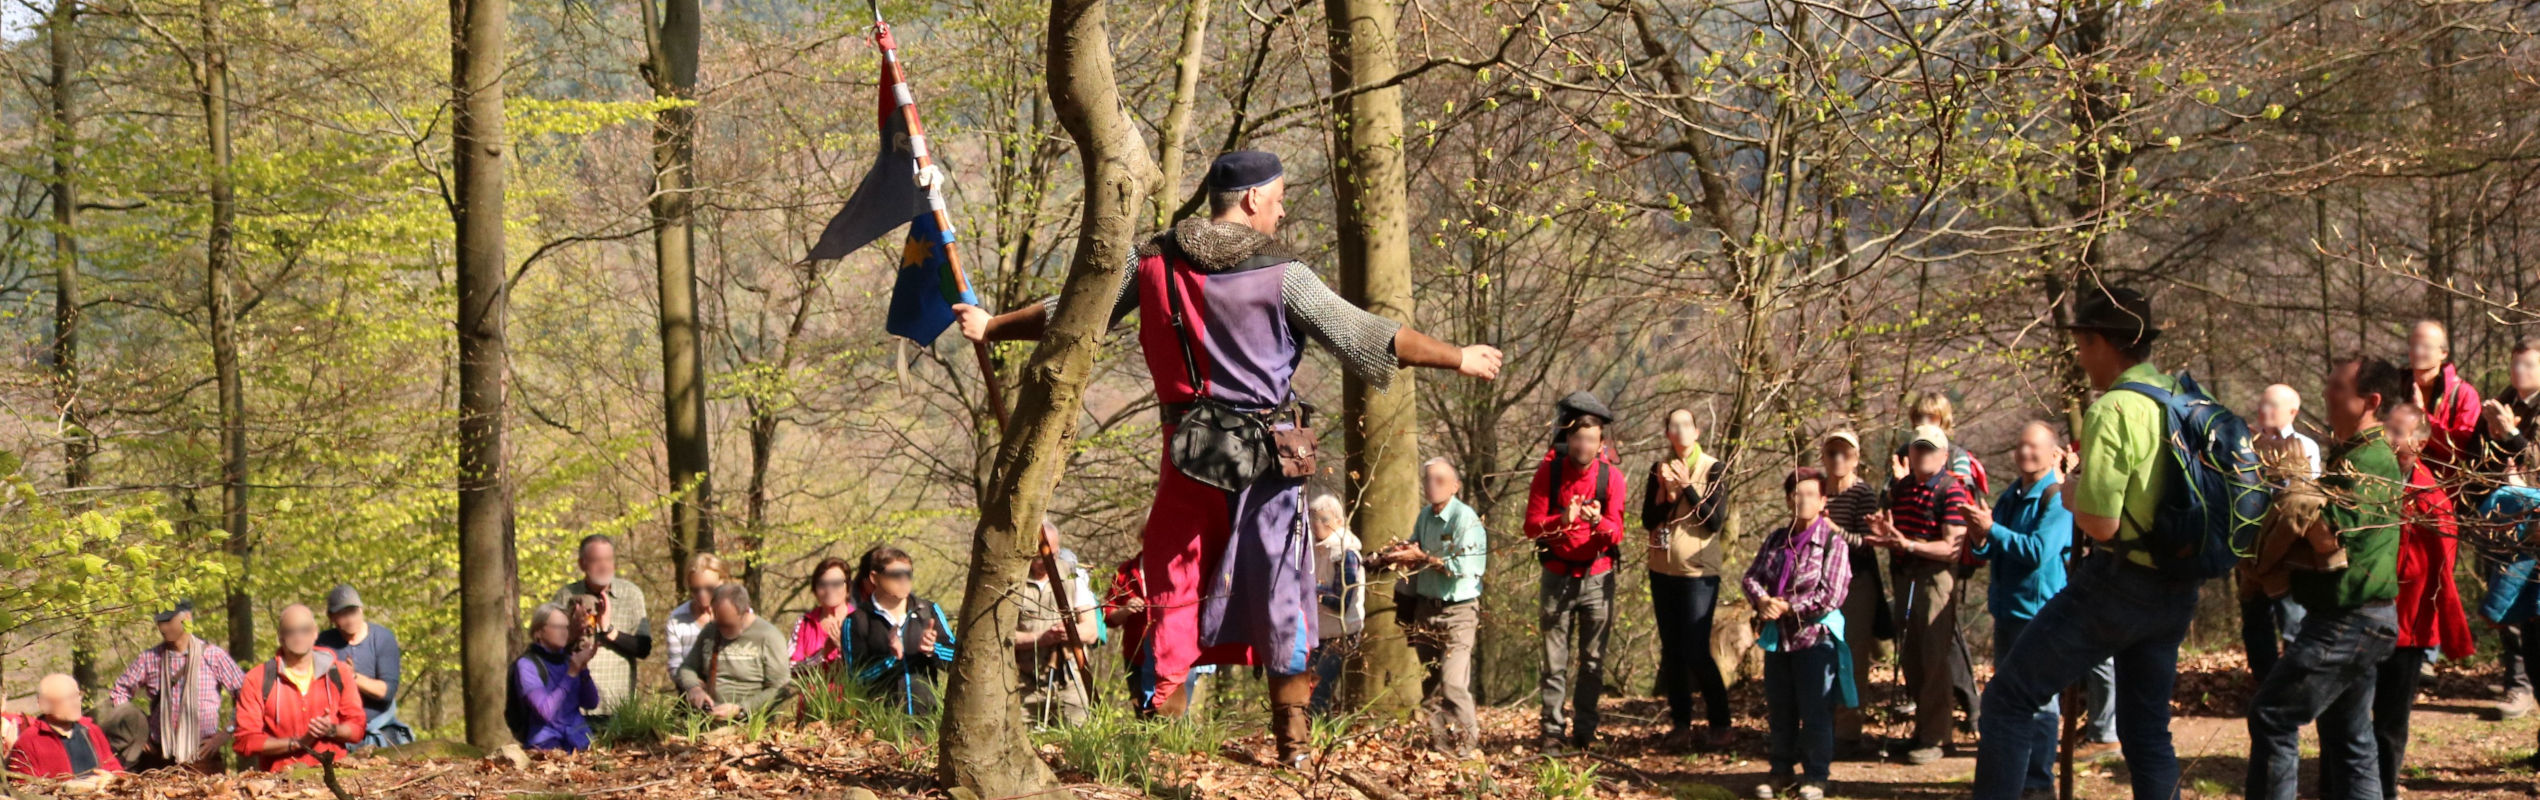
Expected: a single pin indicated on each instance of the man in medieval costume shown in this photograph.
(1224, 313)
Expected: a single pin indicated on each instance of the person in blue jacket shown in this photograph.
(896, 642)
(2026, 536)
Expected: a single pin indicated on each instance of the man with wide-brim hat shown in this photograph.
(1224, 312)
(2117, 604)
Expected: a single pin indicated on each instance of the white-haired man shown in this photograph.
(1439, 603)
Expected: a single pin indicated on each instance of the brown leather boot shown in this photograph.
(1294, 731)
(1290, 725)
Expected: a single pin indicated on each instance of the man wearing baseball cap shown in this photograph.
(378, 664)
(1849, 503)
(1925, 533)
(184, 678)
(1224, 312)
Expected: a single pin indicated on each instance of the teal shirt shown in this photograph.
(1453, 533)
(2364, 488)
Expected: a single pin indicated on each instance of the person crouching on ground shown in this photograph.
(552, 685)
(299, 704)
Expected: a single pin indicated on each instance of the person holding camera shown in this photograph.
(551, 683)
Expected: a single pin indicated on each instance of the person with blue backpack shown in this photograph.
(2163, 513)
(2350, 622)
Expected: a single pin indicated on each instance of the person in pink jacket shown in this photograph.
(1574, 514)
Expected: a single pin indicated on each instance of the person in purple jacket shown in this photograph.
(1797, 583)
(1224, 313)
(552, 685)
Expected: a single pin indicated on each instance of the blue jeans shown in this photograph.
(2328, 676)
(1799, 698)
(2112, 609)
(2099, 694)
(2042, 738)
(1327, 661)
(2266, 628)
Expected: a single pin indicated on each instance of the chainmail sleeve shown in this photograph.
(1121, 304)
(1363, 341)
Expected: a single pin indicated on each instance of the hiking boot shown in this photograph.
(1293, 730)
(2516, 705)
(1810, 791)
(1764, 791)
(1923, 755)
(1721, 738)
(1551, 745)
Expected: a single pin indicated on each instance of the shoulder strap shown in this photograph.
(1173, 312)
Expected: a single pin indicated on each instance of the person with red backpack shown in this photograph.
(1926, 534)
(299, 703)
(1574, 514)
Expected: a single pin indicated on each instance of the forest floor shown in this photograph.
(2456, 753)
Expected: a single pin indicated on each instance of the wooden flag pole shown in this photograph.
(935, 203)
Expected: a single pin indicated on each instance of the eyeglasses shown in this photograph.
(902, 573)
(840, 583)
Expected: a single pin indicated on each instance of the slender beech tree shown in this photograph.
(489, 575)
(62, 24)
(1372, 191)
(1176, 130)
(671, 32)
(987, 746)
(220, 259)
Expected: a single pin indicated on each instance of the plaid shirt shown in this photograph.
(142, 679)
(1807, 568)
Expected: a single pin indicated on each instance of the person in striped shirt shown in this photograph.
(1925, 534)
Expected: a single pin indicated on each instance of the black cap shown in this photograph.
(1581, 404)
(2120, 313)
(181, 607)
(1243, 169)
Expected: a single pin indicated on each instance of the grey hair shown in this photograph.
(735, 594)
(1441, 461)
(538, 616)
(1323, 503)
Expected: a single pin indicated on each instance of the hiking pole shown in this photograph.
(1063, 587)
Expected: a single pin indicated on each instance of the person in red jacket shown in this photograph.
(1574, 513)
(2451, 406)
(299, 703)
(58, 742)
(2429, 604)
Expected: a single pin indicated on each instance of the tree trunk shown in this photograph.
(77, 444)
(1177, 117)
(489, 585)
(219, 261)
(987, 747)
(1374, 206)
(672, 71)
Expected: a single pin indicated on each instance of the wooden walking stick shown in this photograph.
(1062, 586)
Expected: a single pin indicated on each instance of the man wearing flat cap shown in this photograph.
(1224, 313)
(184, 678)
(2117, 603)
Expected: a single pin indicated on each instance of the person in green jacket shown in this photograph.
(2349, 624)
(739, 666)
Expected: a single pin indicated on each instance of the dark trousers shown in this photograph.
(1683, 607)
(2267, 626)
(2394, 693)
(2327, 676)
(1799, 699)
(2045, 734)
(2132, 613)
